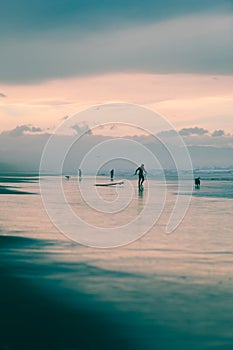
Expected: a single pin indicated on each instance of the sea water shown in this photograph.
(161, 291)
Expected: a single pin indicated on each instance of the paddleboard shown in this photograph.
(110, 183)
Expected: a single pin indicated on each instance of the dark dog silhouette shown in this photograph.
(197, 182)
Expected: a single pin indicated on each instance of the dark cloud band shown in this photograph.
(30, 16)
(81, 38)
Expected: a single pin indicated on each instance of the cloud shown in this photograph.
(35, 129)
(185, 44)
(113, 126)
(193, 131)
(82, 128)
(109, 126)
(22, 130)
(24, 153)
(167, 133)
(197, 136)
(21, 153)
(31, 17)
(2, 94)
(218, 133)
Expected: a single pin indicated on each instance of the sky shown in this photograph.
(173, 57)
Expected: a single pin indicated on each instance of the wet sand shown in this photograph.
(12, 190)
(9, 189)
(38, 310)
(45, 307)
(155, 294)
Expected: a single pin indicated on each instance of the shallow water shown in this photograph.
(162, 291)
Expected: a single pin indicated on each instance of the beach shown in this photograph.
(162, 291)
(116, 175)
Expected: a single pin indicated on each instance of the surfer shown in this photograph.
(141, 171)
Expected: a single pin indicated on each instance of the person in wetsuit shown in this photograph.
(112, 174)
(141, 171)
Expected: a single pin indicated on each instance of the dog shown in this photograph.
(197, 182)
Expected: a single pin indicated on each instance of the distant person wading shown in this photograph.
(112, 174)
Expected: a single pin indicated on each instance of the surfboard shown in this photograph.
(110, 183)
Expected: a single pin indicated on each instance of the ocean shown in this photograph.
(89, 287)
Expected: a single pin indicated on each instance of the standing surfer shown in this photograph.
(141, 171)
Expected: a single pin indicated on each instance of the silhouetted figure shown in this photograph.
(112, 174)
(197, 182)
(141, 171)
(80, 174)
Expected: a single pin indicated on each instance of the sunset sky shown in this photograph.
(174, 57)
